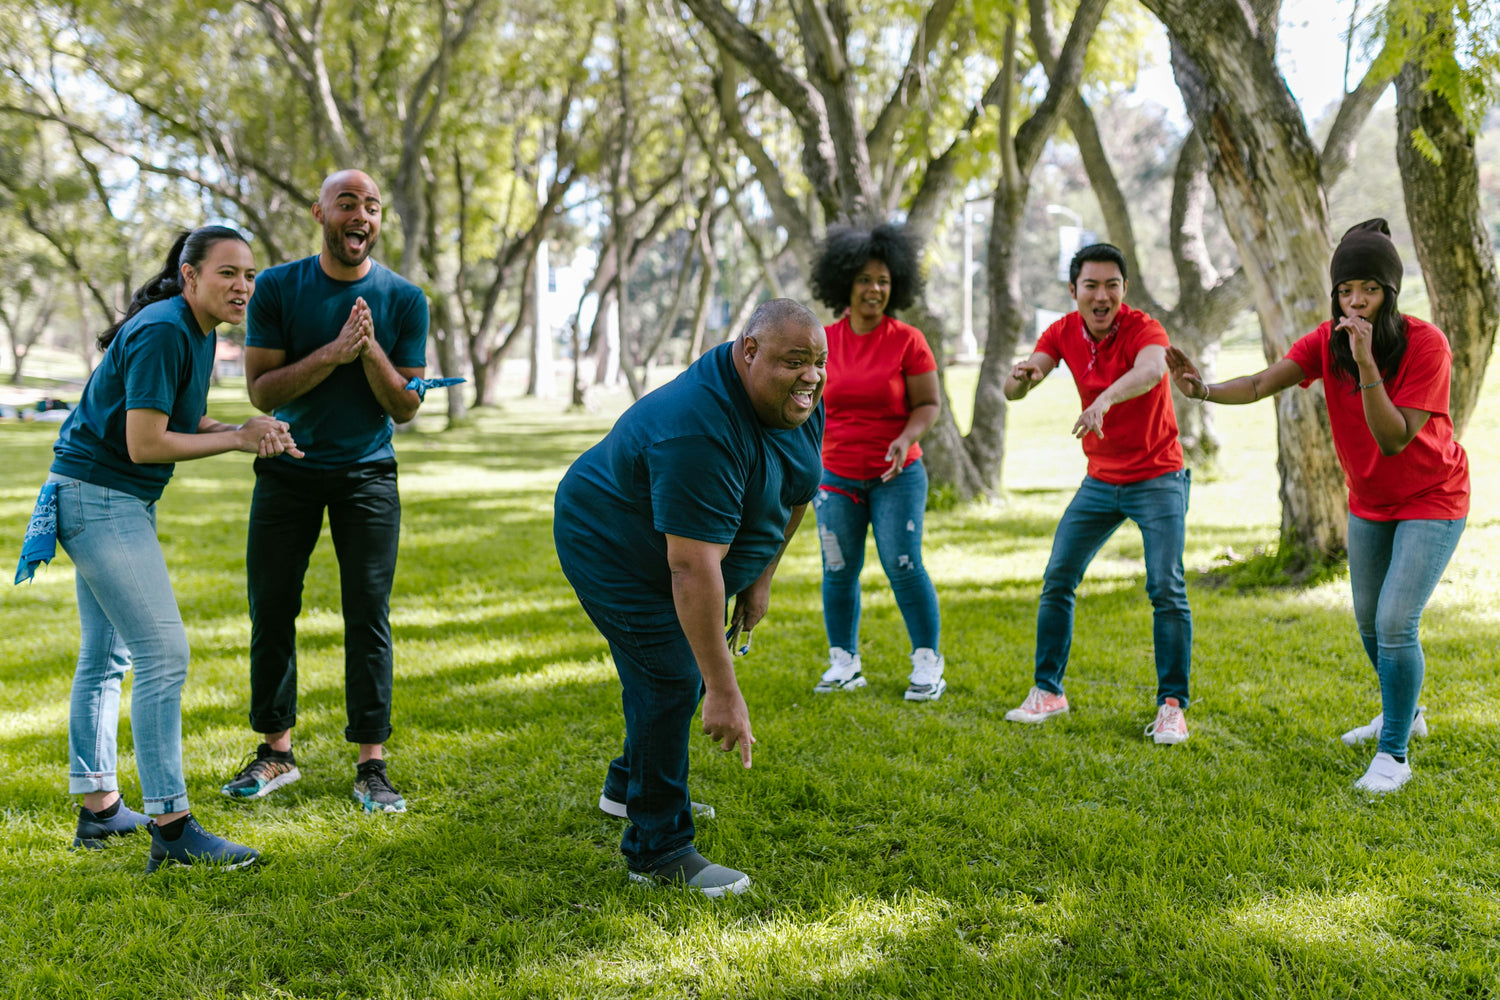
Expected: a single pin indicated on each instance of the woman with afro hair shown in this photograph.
(1385, 382)
(882, 396)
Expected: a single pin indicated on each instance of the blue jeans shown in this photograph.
(660, 688)
(1394, 566)
(1159, 506)
(128, 619)
(846, 509)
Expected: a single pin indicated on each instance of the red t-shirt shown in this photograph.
(1140, 434)
(866, 399)
(1429, 479)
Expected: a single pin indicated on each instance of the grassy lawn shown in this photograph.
(898, 850)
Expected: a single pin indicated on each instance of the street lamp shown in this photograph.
(1069, 238)
(968, 344)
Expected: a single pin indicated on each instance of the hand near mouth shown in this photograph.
(1361, 339)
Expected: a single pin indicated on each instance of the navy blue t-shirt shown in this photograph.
(297, 308)
(159, 360)
(689, 459)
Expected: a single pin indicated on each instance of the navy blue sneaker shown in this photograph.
(372, 789)
(197, 846)
(93, 831)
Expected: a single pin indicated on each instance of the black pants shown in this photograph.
(286, 516)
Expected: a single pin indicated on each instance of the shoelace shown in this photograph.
(1168, 719)
(1034, 700)
(376, 780)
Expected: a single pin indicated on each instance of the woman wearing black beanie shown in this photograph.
(1385, 379)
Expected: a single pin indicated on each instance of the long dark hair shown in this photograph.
(191, 247)
(1388, 342)
(845, 251)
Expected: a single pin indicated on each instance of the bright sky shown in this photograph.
(1310, 56)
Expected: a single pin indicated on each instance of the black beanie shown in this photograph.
(1366, 251)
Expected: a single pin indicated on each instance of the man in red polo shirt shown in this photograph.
(1129, 432)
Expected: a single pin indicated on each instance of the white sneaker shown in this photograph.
(1039, 706)
(927, 682)
(1386, 774)
(843, 672)
(1363, 734)
(1170, 726)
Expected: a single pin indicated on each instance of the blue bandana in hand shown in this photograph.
(421, 385)
(41, 534)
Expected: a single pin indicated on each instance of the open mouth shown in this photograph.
(356, 240)
(804, 397)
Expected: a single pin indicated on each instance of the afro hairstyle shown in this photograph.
(846, 249)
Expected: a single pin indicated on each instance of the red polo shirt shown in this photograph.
(1140, 434)
(1429, 479)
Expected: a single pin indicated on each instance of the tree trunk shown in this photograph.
(1265, 172)
(985, 444)
(450, 362)
(1453, 243)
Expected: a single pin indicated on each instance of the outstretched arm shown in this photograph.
(1150, 365)
(1246, 389)
(150, 443)
(1027, 375)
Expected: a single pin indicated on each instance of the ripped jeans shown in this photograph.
(846, 509)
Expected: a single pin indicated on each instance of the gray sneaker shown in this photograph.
(696, 873)
(372, 789)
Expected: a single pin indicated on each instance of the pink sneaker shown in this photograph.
(1170, 726)
(1039, 706)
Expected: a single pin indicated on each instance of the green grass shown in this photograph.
(898, 850)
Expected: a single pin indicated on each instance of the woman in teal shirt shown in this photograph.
(142, 410)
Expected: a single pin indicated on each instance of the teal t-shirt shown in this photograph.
(159, 360)
(688, 459)
(297, 308)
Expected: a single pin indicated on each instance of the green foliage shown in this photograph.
(1456, 41)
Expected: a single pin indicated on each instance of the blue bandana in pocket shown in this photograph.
(41, 534)
(421, 385)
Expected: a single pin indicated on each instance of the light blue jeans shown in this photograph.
(1159, 507)
(847, 510)
(1394, 566)
(128, 618)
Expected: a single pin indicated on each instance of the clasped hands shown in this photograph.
(268, 437)
(357, 335)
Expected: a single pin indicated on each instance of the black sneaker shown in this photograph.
(372, 789)
(94, 831)
(263, 773)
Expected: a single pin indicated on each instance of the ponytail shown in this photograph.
(190, 247)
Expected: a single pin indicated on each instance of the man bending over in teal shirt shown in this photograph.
(331, 342)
